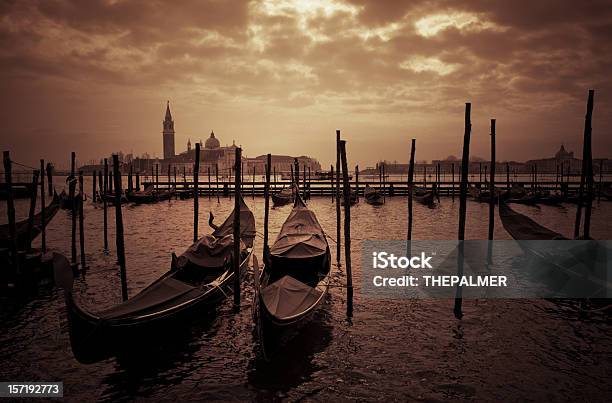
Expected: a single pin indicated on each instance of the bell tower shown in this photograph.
(168, 133)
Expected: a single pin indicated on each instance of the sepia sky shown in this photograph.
(281, 76)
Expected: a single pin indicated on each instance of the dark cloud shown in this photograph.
(362, 61)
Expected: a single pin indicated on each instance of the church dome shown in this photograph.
(212, 142)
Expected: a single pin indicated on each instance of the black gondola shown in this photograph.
(353, 197)
(373, 196)
(294, 280)
(197, 281)
(23, 238)
(66, 202)
(284, 196)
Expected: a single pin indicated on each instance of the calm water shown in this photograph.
(409, 349)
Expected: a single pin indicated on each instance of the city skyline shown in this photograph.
(281, 77)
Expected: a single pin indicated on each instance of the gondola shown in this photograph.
(294, 280)
(425, 196)
(66, 202)
(353, 198)
(284, 196)
(197, 281)
(23, 238)
(373, 196)
(564, 266)
(110, 198)
(148, 195)
(521, 227)
(484, 195)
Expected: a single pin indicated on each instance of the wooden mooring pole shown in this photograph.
(463, 205)
(119, 229)
(346, 187)
(105, 205)
(32, 211)
(196, 171)
(588, 134)
(217, 181)
(43, 230)
(410, 196)
(267, 208)
(10, 210)
(72, 195)
(82, 222)
(338, 233)
(236, 257)
(492, 184)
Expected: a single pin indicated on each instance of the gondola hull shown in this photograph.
(273, 333)
(23, 238)
(93, 338)
(374, 197)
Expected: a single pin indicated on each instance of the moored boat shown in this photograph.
(197, 281)
(373, 196)
(23, 237)
(294, 280)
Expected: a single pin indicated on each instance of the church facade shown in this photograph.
(213, 157)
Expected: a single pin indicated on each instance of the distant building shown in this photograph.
(213, 157)
(562, 159)
(168, 134)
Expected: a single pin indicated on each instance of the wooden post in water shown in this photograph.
(236, 257)
(384, 182)
(72, 195)
(82, 222)
(410, 196)
(130, 180)
(94, 187)
(137, 182)
(535, 176)
(587, 133)
(119, 229)
(157, 177)
(357, 181)
(274, 177)
(338, 234)
(104, 204)
(10, 210)
(492, 189)
(174, 169)
(267, 208)
(217, 181)
(253, 183)
(331, 176)
(209, 183)
(480, 172)
(507, 176)
(49, 169)
(33, 195)
(304, 183)
(309, 182)
(100, 188)
(43, 230)
(463, 204)
(170, 194)
(589, 167)
(453, 180)
(196, 171)
(346, 187)
(110, 181)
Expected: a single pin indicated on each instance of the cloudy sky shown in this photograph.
(281, 76)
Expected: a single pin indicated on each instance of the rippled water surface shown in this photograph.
(406, 349)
